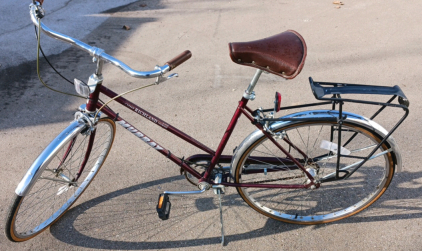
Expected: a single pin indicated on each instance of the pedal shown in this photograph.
(163, 206)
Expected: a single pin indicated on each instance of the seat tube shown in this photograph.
(225, 138)
(248, 95)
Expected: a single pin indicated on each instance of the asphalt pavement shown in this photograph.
(363, 42)
(17, 31)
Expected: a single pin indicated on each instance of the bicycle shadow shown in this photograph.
(126, 218)
(20, 88)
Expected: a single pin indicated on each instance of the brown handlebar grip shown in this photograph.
(173, 63)
(39, 1)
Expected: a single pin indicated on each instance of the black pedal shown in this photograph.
(163, 206)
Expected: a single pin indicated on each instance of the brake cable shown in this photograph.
(52, 67)
(124, 93)
(38, 35)
(38, 64)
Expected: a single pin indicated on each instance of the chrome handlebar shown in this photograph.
(97, 53)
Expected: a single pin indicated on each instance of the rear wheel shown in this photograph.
(263, 163)
(60, 184)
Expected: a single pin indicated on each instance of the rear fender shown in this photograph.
(320, 114)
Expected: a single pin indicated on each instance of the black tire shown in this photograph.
(333, 200)
(52, 194)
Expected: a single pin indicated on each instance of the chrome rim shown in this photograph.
(54, 192)
(333, 200)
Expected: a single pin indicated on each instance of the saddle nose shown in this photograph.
(282, 54)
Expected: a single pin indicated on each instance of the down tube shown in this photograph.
(133, 107)
(149, 141)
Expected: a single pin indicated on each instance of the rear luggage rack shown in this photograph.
(330, 94)
(321, 89)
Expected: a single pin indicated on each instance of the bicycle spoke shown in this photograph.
(323, 204)
(54, 191)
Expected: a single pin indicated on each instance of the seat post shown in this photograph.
(249, 93)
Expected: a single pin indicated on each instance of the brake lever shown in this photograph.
(161, 79)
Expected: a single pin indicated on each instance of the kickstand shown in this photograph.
(221, 217)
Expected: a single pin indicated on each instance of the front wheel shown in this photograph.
(67, 175)
(312, 144)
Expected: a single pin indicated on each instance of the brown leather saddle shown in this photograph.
(283, 54)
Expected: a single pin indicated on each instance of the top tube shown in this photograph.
(96, 52)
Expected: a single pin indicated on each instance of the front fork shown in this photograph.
(90, 121)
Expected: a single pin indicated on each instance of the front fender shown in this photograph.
(46, 156)
(321, 114)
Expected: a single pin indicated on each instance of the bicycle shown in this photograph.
(288, 169)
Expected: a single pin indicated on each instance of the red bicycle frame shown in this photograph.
(215, 155)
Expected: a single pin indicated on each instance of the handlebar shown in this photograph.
(101, 55)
